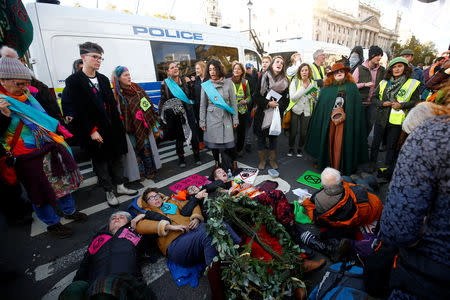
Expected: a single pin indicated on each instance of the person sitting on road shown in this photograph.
(342, 204)
(182, 239)
(110, 267)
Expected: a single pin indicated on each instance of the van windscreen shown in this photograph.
(187, 55)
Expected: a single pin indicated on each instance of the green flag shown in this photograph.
(16, 30)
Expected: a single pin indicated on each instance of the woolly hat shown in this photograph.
(339, 66)
(317, 53)
(407, 52)
(248, 66)
(11, 67)
(374, 51)
(397, 60)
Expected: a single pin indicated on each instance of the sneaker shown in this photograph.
(111, 199)
(181, 162)
(290, 153)
(198, 161)
(299, 153)
(59, 230)
(77, 216)
(122, 190)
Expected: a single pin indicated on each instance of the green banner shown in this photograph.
(16, 30)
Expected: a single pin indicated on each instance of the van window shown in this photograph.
(187, 55)
(253, 58)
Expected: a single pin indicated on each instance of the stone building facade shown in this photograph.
(333, 26)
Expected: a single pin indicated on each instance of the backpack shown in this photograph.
(134, 208)
(341, 281)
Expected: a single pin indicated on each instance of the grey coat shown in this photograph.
(219, 123)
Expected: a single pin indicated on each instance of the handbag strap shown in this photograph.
(16, 135)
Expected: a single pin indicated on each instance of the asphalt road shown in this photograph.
(46, 265)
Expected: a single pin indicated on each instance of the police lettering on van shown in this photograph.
(160, 32)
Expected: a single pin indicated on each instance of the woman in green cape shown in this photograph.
(337, 134)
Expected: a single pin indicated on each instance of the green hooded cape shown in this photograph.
(354, 144)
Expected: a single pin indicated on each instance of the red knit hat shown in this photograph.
(338, 66)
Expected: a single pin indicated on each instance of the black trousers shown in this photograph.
(193, 125)
(109, 172)
(392, 135)
(299, 124)
(240, 131)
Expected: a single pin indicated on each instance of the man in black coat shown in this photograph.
(111, 264)
(100, 128)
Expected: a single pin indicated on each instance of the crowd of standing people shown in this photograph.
(331, 113)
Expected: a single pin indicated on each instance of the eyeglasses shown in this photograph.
(96, 57)
(339, 71)
(153, 197)
(21, 84)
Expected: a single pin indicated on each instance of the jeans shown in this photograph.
(109, 173)
(46, 213)
(195, 247)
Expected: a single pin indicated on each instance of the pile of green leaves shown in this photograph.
(244, 276)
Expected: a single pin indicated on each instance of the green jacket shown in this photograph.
(354, 143)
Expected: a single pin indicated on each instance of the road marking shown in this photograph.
(39, 227)
(46, 270)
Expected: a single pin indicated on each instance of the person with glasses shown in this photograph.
(337, 131)
(28, 134)
(99, 127)
(183, 239)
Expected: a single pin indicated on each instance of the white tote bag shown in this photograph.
(275, 126)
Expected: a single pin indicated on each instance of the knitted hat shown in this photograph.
(248, 66)
(374, 51)
(407, 52)
(317, 53)
(12, 68)
(397, 60)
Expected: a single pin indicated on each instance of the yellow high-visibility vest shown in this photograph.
(240, 95)
(316, 73)
(397, 116)
(311, 99)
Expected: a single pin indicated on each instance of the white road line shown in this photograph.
(38, 227)
(46, 270)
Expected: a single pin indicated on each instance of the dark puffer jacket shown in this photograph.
(110, 254)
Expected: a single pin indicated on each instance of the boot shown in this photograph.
(215, 281)
(272, 157)
(262, 159)
(335, 251)
(313, 265)
(217, 164)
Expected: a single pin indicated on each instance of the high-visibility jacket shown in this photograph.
(240, 95)
(316, 74)
(357, 208)
(310, 98)
(397, 116)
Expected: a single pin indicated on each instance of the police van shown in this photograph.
(306, 48)
(143, 44)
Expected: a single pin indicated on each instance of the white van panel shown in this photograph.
(134, 54)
